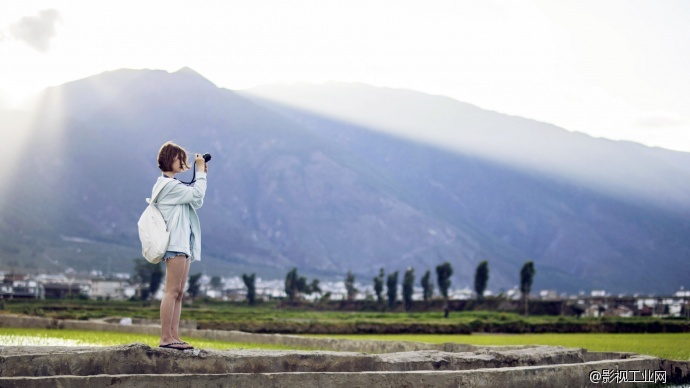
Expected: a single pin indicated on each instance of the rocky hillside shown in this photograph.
(296, 186)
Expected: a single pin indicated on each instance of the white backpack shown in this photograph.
(153, 233)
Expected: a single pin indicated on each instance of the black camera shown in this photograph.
(207, 157)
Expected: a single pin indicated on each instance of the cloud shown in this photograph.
(660, 120)
(36, 31)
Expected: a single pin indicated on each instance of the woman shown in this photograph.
(178, 203)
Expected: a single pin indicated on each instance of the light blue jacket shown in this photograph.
(178, 203)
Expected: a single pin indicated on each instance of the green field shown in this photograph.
(215, 311)
(674, 346)
(662, 337)
(669, 346)
(47, 337)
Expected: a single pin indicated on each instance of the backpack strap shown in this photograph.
(157, 190)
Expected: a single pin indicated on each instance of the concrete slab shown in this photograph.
(143, 359)
(374, 363)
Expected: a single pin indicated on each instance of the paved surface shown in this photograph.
(374, 363)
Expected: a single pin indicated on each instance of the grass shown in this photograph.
(666, 345)
(214, 311)
(231, 312)
(674, 346)
(47, 337)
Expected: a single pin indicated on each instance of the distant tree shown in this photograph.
(156, 279)
(427, 286)
(314, 286)
(149, 276)
(350, 286)
(481, 278)
(291, 286)
(526, 277)
(296, 285)
(392, 284)
(194, 286)
(250, 283)
(408, 287)
(142, 276)
(577, 310)
(302, 286)
(378, 286)
(216, 283)
(443, 274)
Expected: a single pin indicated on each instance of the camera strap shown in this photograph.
(206, 157)
(193, 177)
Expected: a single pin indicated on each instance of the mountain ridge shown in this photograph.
(289, 188)
(548, 148)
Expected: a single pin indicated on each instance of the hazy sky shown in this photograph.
(615, 68)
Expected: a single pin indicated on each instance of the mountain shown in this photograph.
(322, 184)
(621, 169)
(588, 207)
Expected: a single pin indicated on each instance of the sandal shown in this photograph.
(172, 346)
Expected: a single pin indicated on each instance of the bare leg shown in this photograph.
(174, 277)
(175, 324)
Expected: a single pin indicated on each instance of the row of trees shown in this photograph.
(296, 285)
(481, 279)
(443, 274)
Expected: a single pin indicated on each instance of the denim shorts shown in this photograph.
(169, 254)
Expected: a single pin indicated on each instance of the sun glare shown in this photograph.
(592, 67)
(42, 119)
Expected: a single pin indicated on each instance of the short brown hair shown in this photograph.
(167, 154)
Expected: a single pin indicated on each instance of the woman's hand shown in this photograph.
(200, 163)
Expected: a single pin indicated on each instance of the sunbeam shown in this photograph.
(35, 151)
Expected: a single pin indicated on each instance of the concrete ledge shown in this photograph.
(532, 376)
(142, 359)
(402, 364)
(139, 365)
